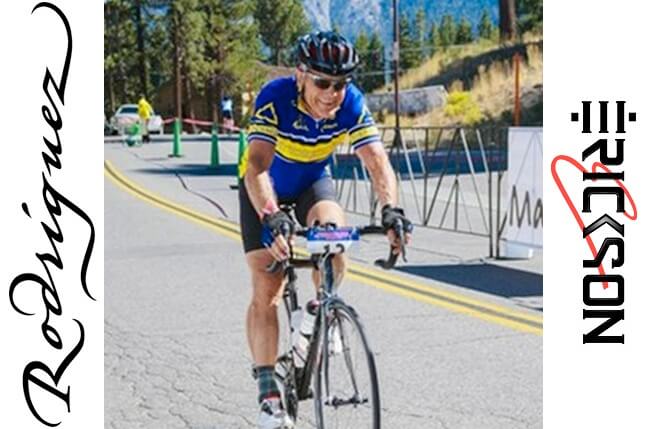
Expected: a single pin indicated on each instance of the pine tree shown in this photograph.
(434, 38)
(121, 77)
(507, 20)
(464, 31)
(486, 28)
(447, 31)
(409, 56)
(158, 53)
(362, 47)
(232, 48)
(362, 44)
(375, 62)
(281, 23)
(188, 24)
(420, 23)
(217, 50)
(529, 15)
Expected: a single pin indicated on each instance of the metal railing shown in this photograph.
(449, 178)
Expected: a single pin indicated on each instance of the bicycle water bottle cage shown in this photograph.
(323, 240)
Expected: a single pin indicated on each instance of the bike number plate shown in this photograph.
(331, 240)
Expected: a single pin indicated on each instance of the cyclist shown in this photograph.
(297, 123)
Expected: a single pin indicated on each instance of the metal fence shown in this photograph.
(449, 178)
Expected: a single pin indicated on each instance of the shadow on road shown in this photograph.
(488, 278)
(194, 170)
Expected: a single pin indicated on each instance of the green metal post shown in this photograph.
(214, 146)
(176, 138)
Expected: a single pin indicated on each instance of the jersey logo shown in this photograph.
(330, 126)
(363, 115)
(267, 113)
(299, 124)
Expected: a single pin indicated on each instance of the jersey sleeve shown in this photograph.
(264, 122)
(363, 131)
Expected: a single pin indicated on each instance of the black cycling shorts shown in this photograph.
(251, 228)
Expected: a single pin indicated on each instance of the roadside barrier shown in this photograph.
(214, 158)
(176, 150)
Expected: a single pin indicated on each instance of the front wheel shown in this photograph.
(346, 383)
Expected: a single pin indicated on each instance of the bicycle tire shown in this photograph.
(350, 400)
(289, 390)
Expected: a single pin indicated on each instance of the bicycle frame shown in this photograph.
(326, 295)
(297, 381)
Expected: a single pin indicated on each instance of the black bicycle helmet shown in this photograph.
(327, 52)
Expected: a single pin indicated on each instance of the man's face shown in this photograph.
(323, 93)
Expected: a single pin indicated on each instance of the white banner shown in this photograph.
(52, 210)
(594, 79)
(524, 209)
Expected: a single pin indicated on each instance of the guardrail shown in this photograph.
(449, 178)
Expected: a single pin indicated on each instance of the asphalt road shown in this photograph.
(454, 347)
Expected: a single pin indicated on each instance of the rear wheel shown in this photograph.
(346, 383)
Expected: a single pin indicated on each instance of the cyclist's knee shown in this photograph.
(266, 287)
(326, 211)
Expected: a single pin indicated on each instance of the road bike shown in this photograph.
(339, 369)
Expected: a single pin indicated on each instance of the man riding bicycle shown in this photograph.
(297, 123)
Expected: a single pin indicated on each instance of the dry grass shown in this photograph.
(492, 90)
(441, 59)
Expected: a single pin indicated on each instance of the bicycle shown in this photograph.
(343, 402)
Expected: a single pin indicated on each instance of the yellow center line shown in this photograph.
(474, 307)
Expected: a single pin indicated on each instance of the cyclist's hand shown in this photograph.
(397, 226)
(278, 229)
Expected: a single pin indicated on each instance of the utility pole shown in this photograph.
(395, 54)
(141, 54)
(176, 62)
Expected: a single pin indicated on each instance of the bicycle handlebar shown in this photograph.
(386, 264)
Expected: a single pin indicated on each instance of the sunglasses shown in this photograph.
(324, 83)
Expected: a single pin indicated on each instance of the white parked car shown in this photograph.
(126, 115)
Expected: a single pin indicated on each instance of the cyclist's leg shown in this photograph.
(319, 204)
(261, 322)
(324, 212)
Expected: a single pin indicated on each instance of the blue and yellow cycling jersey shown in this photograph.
(303, 145)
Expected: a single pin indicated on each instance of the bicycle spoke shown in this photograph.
(348, 360)
(346, 386)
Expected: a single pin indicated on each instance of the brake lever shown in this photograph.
(402, 252)
(393, 257)
(389, 263)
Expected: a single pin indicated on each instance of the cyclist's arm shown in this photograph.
(257, 179)
(380, 170)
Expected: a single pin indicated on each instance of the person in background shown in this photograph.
(144, 111)
(227, 108)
